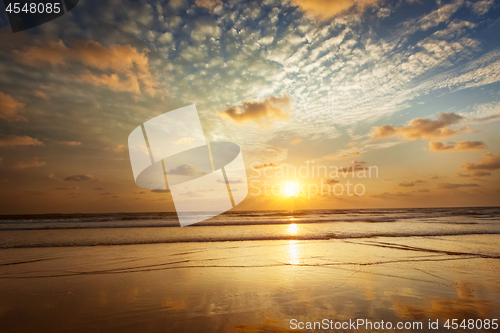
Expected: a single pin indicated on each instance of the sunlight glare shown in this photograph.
(291, 189)
(293, 229)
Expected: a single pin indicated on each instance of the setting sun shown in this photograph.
(291, 189)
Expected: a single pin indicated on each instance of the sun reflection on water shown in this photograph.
(293, 252)
(293, 229)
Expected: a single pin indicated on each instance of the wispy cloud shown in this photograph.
(80, 178)
(15, 140)
(10, 109)
(116, 149)
(123, 59)
(185, 170)
(265, 165)
(489, 161)
(31, 163)
(70, 143)
(450, 186)
(422, 129)
(460, 146)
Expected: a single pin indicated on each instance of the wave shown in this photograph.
(326, 237)
(139, 223)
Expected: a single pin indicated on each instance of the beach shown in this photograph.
(250, 271)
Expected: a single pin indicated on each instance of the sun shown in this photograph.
(291, 189)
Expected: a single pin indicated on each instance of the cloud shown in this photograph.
(296, 140)
(80, 178)
(387, 195)
(341, 156)
(489, 162)
(413, 183)
(422, 129)
(52, 177)
(205, 29)
(331, 181)
(356, 166)
(14, 140)
(210, 4)
(481, 7)
(113, 82)
(70, 143)
(41, 94)
(474, 174)
(9, 108)
(234, 181)
(267, 109)
(450, 186)
(434, 176)
(165, 38)
(116, 149)
(32, 163)
(325, 9)
(461, 145)
(123, 59)
(185, 170)
(263, 166)
(481, 174)
(67, 188)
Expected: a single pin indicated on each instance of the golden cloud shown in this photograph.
(422, 129)
(9, 108)
(70, 143)
(32, 163)
(209, 4)
(325, 9)
(263, 166)
(15, 140)
(40, 94)
(116, 149)
(113, 82)
(123, 59)
(450, 186)
(489, 162)
(269, 108)
(341, 156)
(462, 145)
(474, 174)
(80, 178)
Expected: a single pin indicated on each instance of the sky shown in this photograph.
(407, 89)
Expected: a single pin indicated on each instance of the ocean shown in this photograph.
(51, 230)
(260, 271)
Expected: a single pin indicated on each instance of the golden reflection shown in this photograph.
(464, 307)
(293, 252)
(267, 325)
(293, 229)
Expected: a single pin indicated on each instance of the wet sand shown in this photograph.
(251, 286)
